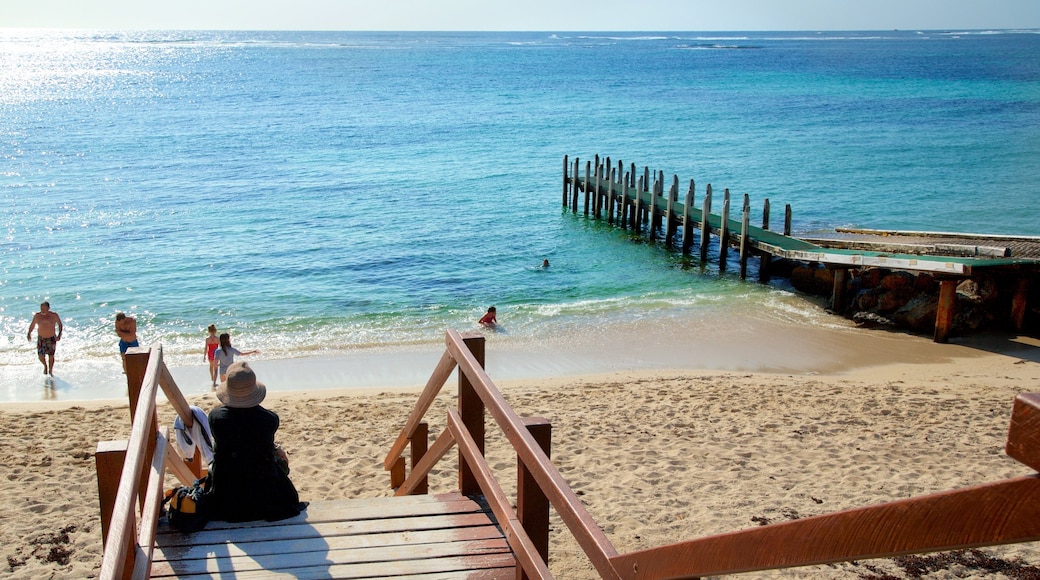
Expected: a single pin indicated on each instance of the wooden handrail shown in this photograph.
(152, 503)
(994, 513)
(563, 499)
(433, 387)
(130, 541)
(123, 524)
(523, 548)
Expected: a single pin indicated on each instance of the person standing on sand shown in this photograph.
(126, 328)
(48, 332)
(212, 344)
(225, 355)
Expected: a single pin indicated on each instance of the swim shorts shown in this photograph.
(45, 345)
(123, 345)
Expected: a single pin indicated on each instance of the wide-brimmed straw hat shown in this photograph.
(241, 389)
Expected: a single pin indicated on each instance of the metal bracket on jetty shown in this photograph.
(638, 202)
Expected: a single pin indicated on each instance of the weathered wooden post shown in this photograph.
(574, 188)
(637, 209)
(766, 260)
(787, 220)
(687, 230)
(705, 224)
(595, 192)
(623, 203)
(670, 222)
(532, 506)
(745, 224)
(652, 223)
(564, 181)
(1019, 304)
(588, 181)
(841, 276)
(724, 230)
(610, 194)
(944, 313)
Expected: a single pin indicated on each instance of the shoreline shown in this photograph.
(737, 342)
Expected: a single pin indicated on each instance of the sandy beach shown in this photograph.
(658, 455)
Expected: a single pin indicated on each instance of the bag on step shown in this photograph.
(188, 508)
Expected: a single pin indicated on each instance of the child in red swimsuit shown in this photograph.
(489, 319)
(212, 343)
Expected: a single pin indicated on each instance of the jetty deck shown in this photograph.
(639, 203)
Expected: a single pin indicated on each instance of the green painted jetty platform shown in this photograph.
(639, 202)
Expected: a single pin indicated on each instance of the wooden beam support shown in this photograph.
(1019, 304)
(944, 314)
(841, 276)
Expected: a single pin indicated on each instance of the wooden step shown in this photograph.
(446, 536)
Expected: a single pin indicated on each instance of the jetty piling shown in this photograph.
(636, 203)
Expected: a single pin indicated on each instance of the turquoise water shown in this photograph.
(319, 193)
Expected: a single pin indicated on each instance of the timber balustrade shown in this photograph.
(131, 473)
(1001, 512)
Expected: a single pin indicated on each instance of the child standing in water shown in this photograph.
(212, 344)
(225, 355)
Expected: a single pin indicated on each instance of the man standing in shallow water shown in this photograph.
(126, 328)
(48, 332)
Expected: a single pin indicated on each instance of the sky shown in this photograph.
(535, 15)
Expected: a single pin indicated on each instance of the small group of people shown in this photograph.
(49, 327)
(220, 354)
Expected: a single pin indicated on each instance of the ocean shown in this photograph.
(319, 193)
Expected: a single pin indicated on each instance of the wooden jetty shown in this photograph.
(638, 202)
(475, 532)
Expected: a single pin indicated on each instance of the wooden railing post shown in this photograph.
(532, 506)
(471, 410)
(108, 461)
(136, 366)
(420, 443)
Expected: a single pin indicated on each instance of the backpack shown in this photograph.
(189, 507)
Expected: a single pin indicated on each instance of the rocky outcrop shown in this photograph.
(909, 300)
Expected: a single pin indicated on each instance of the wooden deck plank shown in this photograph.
(279, 560)
(500, 563)
(444, 536)
(328, 529)
(319, 543)
(356, 510)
